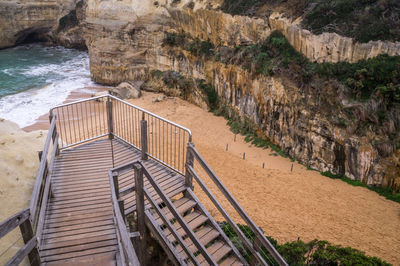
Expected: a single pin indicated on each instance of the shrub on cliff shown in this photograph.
(363, 20)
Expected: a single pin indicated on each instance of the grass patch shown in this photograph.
(363, 20)
(315, 252)
(388, 192)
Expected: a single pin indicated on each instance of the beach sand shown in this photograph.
(18, 166)
(285, 204)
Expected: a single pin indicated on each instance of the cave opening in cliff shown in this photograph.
(33, 35)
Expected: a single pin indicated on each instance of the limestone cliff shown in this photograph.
(21, 20)
(125, 42)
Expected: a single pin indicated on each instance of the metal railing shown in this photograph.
(251, 241)
(87, 120)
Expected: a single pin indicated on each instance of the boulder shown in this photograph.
(128, 90)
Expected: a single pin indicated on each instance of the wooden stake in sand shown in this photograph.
(291, 169)
(226, 147)
(234, 138)
(244, 155)
(263, 165)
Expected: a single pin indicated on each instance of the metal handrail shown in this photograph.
(258, 233)
(125, 102)
(90, 119)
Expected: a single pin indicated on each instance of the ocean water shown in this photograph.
(34, 78)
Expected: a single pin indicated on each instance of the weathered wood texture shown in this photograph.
(79, 220)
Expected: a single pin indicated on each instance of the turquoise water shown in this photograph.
(34, 78)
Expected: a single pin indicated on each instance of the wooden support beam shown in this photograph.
(143, 137)
(110, 118)
(140, 211)
(189, 162)
(28, 236)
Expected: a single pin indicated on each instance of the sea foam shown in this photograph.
(61, 79)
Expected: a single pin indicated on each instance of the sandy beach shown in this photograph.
(285, 204)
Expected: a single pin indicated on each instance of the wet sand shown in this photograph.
(286, 204)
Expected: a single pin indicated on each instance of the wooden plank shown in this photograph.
(82, 247)
(78, 238)
(72, 243)
(73, 215)
(11, 223)
(78, 254)
(108, 221)
(216, 226)
(78, 217)
(79, 231)
(103, 259)
(79, 202)
(91, 205)
(164, 242)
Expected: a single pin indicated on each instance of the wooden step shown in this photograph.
(217, 250)
(206, 234)
(182, 205)
(231, 261)
(194, 220)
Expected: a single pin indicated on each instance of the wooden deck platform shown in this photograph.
(79, 228)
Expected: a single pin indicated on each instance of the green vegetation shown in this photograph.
(388, 192)
(244, 126)
(363, 20)
(315, 252)
(175, 80)
(372, 85)
(378, 77)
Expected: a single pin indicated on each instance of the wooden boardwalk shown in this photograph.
(113, 175)
(79, 226)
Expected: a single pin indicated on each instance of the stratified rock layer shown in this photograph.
(18, 19)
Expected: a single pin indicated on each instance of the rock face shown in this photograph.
(21, 20)
(125, 42)
(128, 90)
(297, 121)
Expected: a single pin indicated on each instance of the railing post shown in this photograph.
(143, 137)
(27, 235)
(110, 118)
(140, 212)
(189, 162)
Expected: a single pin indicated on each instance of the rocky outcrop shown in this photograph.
(227, 30)
(128, 90)
(69, 32)
(23, 20)
(329, 47)
(296, 120)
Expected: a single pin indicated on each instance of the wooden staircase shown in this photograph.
(78, 216)
(205, 228)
